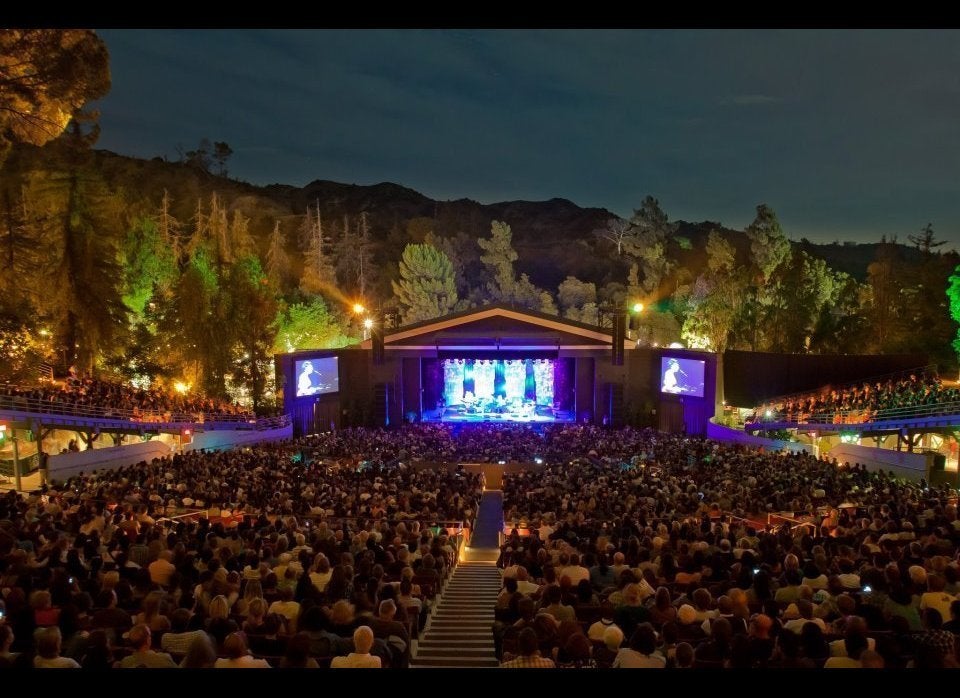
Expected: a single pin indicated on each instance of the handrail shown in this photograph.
(22, 403)
(866, 416)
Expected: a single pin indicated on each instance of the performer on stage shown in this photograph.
(306, 383)
(670, 384)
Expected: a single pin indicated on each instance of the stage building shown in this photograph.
(502, 365)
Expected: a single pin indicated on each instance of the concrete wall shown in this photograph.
(65, 465)
(908, 465)
(730, 435)
(218, 440)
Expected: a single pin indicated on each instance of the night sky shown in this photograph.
(847, 134)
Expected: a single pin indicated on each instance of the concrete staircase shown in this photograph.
(460, 630)
(459, 633)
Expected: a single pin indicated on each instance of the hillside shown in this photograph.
(553, 238)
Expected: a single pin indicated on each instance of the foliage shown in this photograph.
(427, 288)
(46, 76)
(308, 326)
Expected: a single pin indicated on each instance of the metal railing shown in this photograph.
(862, 416)
(21, 403)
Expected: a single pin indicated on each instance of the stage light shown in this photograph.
(538, 461)
(768, 414)
(358, 308)
(637, 307)
(368, 323)
(181, 387)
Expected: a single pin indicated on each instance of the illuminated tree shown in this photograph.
(427, 288)
(953, 293)
(319, 275)
(46, 76)
(278, 263)
(650, 230)
(499, 256)
(308, 326)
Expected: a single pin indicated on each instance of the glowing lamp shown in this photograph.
(368, 323)
(358, 308)
(638, 307)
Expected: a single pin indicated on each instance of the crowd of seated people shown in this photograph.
(93, 575)
(474, 443)
(644, 550)
(860, 403)
(76, 392)
(669, 563)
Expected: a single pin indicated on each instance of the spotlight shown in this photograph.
(538, 461)
(638, 307)
(368, 323)
(358, 308)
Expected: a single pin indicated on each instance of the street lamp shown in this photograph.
(358, 308)
(635, 309)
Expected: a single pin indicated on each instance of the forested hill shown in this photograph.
(554, 239)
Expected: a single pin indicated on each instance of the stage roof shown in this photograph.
(494, 327)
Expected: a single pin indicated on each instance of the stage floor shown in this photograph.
(455, 417)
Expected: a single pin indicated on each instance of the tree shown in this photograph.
(78, 221)
(149, 265)
(769, 247)
(884, 289)
(278, 263)
(46, 76)
(616, 232)
(926, 241)
(427, 288)
(721, 256)
(499, 257)
(202, 157)
(953, 294)
(319, 275)
(308, 326)
(578, 300)
(253, 309)
(169, 227)
(462, 251)
(221, 153)
(646, 241)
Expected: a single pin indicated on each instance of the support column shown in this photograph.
(16, 462)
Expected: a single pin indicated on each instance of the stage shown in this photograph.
(458, 416)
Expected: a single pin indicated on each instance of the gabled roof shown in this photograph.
(502, 321)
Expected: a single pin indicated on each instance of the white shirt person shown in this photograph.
(305, 385)
(670, 377)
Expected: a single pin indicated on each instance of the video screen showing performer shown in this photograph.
(681, 376)
(317, 376)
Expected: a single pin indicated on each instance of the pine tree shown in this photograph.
(427, 288)
(319, 275)
(278, 263)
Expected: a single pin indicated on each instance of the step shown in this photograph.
(447, 663)
(465, 653)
